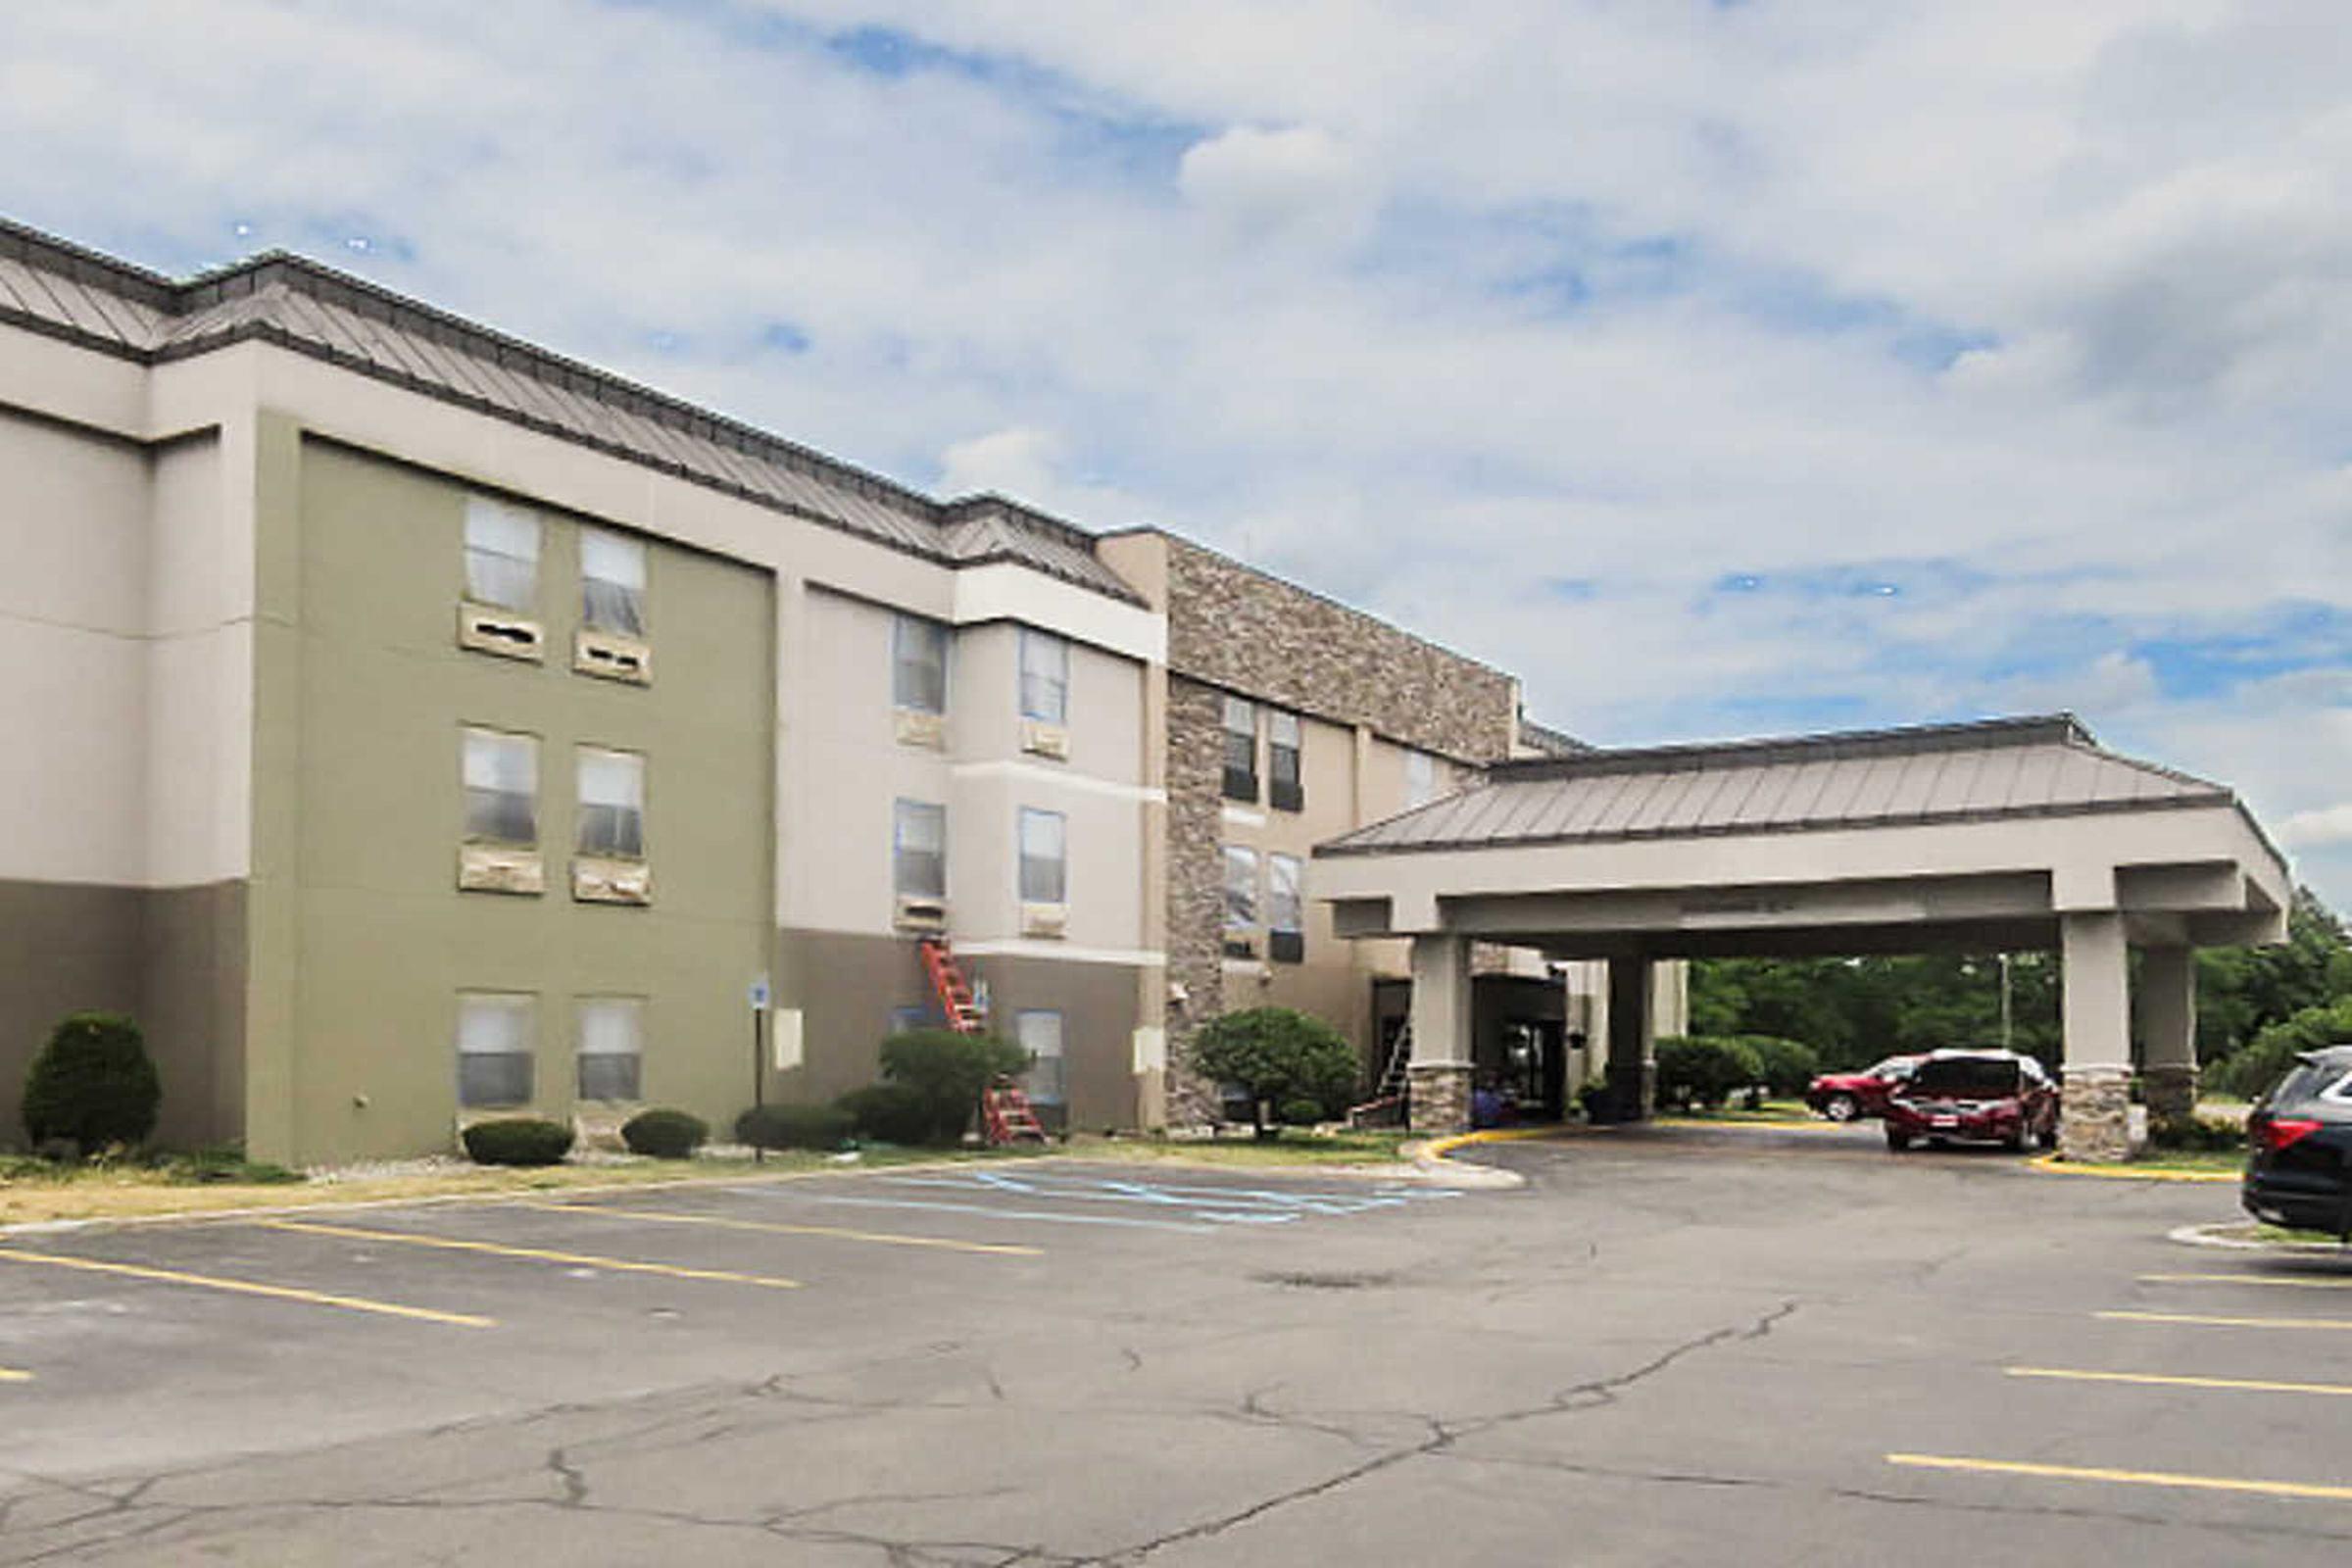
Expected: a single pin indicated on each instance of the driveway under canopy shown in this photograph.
(1997, 836)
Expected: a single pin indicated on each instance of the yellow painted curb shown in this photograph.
(1712, 1125)
(2052, 1165)
(1439, 1147)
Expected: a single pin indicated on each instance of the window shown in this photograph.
(1045, 678)
(611, 803)
(612, 1047)
(1045, 861)
(1285, 909)
(495, 1030)
(918, 849)
(1046, 1083)
(1284, 789)
(612, 583)
(502, 788)
(907, 1020)
(1241, 900)
(502, 554)
(1420, 778)
(918, 665)
(1240, 749)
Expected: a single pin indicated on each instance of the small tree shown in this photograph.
(1790, 1065)
(1276, 1054)
(1704, 1071)
(2268, 1054)
(949, 1070)
(92, 1085)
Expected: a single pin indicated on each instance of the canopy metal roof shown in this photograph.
(1999, 768)
(62, 290)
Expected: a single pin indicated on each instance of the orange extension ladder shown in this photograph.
(956, 1003)
(1006, 1115)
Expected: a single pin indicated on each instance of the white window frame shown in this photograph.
(1045, 677)
(629, 769)
(1056, 888)
(615, 562)
(1238, 720)
(1043, 1085)
(609, 1027)
(502, 538)
(903, 814)
(911, 637)
(1286, 732)
(1246, 860)
(1276, 897)
(1420, 778)
(504, 1024)
(479, 744)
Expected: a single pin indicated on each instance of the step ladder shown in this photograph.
(957, 1002)
(1006, 1116)
(1396, 1081)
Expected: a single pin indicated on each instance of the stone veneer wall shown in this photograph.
(1266, 639)
(1196, 869)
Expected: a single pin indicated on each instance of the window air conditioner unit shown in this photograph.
(1045, 919)
(612, 658)
(921, 913)
(499, 631)
(1045, 740)
(914, 727)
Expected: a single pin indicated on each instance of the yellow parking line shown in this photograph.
(2128, 1478)
(2229, 1322)
(282, 1293)
(775, 1227)
(537, 1255)
(2301, 1283)
(2160, 1379)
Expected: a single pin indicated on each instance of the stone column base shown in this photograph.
(2094, 1127)
(1633, 1091)
(1439, 1095)
(2171, 1094)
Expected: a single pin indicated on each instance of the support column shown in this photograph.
(1633, 1032)
(1438, 1074)
(2096, 1124)
(2167, 1017)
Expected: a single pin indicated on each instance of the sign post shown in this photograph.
(758, 998)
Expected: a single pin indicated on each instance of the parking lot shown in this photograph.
(1670, 1346)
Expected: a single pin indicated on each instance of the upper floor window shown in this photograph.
(1045, 857)
(918, 665)
(918, 849)
(1285, 787)
(502, 554)
(495, 1033)
(1420, 778)
(1285, 909)
(612, 583)
(1045, 678)
(502, 788)
(612, 1047)
(1241, 900)
(1241, 749)
(611, 803)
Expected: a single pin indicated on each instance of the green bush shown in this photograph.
(1704, 1070)
(793, 1126)
(517, 1141)
(2253, 1071)
(1300, 1112)
(1790, 1065)
(92, 1085)
(2197, 1135)
(665, 1134)
(1277, 1056)
(949, 1070)
(226, 1162)
(889, 1113)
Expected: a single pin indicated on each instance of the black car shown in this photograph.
(2300, 1175)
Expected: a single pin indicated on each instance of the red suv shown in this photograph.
(1849, 1095)
(1980, 1097)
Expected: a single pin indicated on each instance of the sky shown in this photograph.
(1721, 367)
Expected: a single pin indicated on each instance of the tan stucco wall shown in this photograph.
(364, 702)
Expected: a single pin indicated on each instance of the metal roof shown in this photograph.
(1982, 771)
(50, 286)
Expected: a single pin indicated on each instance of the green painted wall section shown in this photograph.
(361, 941)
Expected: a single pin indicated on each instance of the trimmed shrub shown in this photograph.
(92, 1085)
(1276, 1056)
(949, 1070)
(2254, 1070)
(1300, 1112)
(517, 1141)
(793, 1126)
(665, 1134)
(889, 1113)
(1790, 1065)
(2197, 1133)
(1704, 1070)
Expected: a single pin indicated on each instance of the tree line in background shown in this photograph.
(2256, 1006)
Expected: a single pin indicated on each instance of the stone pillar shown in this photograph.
(1438, 1077)
(2167, 1019)
(2097, 1126)
(1633, 1069)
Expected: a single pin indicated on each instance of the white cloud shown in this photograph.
(2314, 829)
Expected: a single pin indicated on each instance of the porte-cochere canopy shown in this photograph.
(2001, 835)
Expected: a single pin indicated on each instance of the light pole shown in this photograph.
(2006, 1027)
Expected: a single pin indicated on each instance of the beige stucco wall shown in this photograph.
(379, 693)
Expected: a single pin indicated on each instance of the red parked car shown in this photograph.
(1977, 1096)
(1850, 1096)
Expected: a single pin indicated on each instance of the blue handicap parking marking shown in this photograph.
(1201, 1202)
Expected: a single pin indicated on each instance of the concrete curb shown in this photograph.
(1429, 1157)
(2211, 1235)
(2052, 1165)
